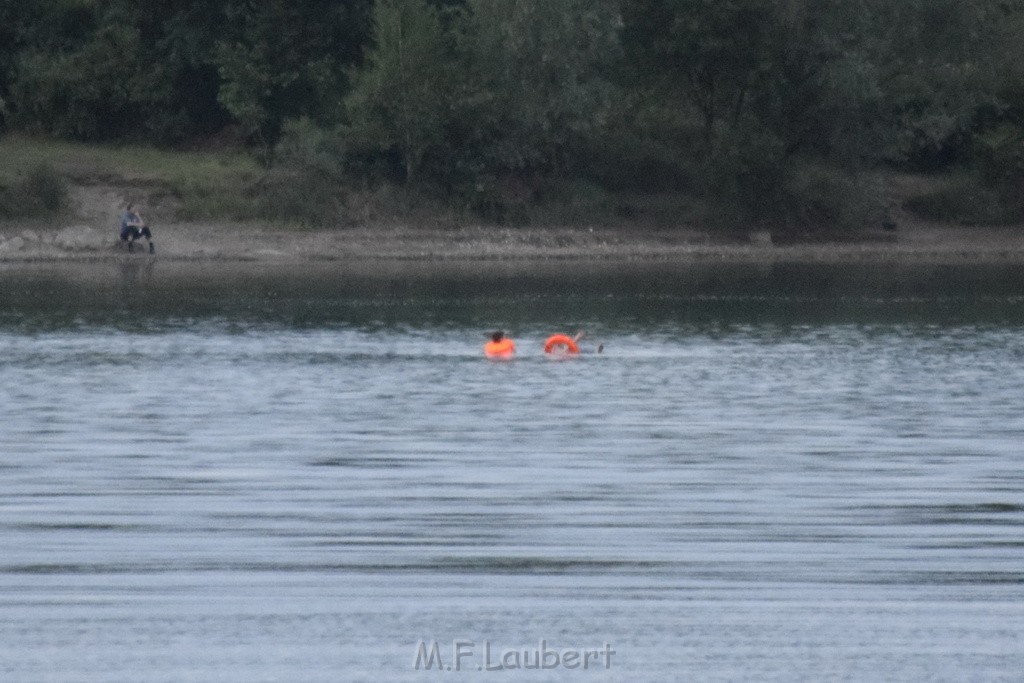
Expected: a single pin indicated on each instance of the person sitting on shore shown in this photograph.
(500, 346)
(133, 227)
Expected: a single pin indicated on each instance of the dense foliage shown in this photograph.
(773, 108)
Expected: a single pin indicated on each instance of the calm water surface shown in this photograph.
(227, 473)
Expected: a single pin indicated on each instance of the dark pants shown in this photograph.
(130, 233)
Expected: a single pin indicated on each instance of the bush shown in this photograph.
(299, 196)
(1000, 154)
(306, 146)
(820, 198)
(40, 192)
(744, 175)
(304, 185)
(964, 198)
(207, 200)
(755, 184)
(46, 188)
(625, 160)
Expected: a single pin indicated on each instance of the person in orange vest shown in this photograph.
(500, 346)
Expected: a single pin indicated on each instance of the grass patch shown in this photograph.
(822, 199)
(83, 162)
(200, 184)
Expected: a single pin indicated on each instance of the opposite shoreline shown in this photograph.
(289, 247)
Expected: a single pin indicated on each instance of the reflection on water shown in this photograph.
(633, 297)
(790, 474)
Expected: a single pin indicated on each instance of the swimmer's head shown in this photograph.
(497, 336)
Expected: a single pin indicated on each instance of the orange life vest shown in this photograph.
(500, 349)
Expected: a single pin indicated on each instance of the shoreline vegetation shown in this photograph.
(495, 130)
(192, 200)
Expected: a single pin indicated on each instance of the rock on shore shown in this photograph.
(73, 239)
(78, 238)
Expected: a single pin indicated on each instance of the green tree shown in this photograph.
(938, 63)
(788, 67)
(178, 74)
(287, 58)
(30, 32)
(402, 99)
(113, 68)
(10, 37)
(711, 53)
(536, 79)
(998, 140)
(85, 93)
(768, 84)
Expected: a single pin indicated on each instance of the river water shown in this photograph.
(234, 472)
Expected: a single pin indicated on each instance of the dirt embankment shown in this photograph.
(89, 233)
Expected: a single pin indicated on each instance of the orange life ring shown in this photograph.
(500, 349)
(563, 342)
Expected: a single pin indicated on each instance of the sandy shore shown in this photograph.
(918, 243)
(89, 234)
